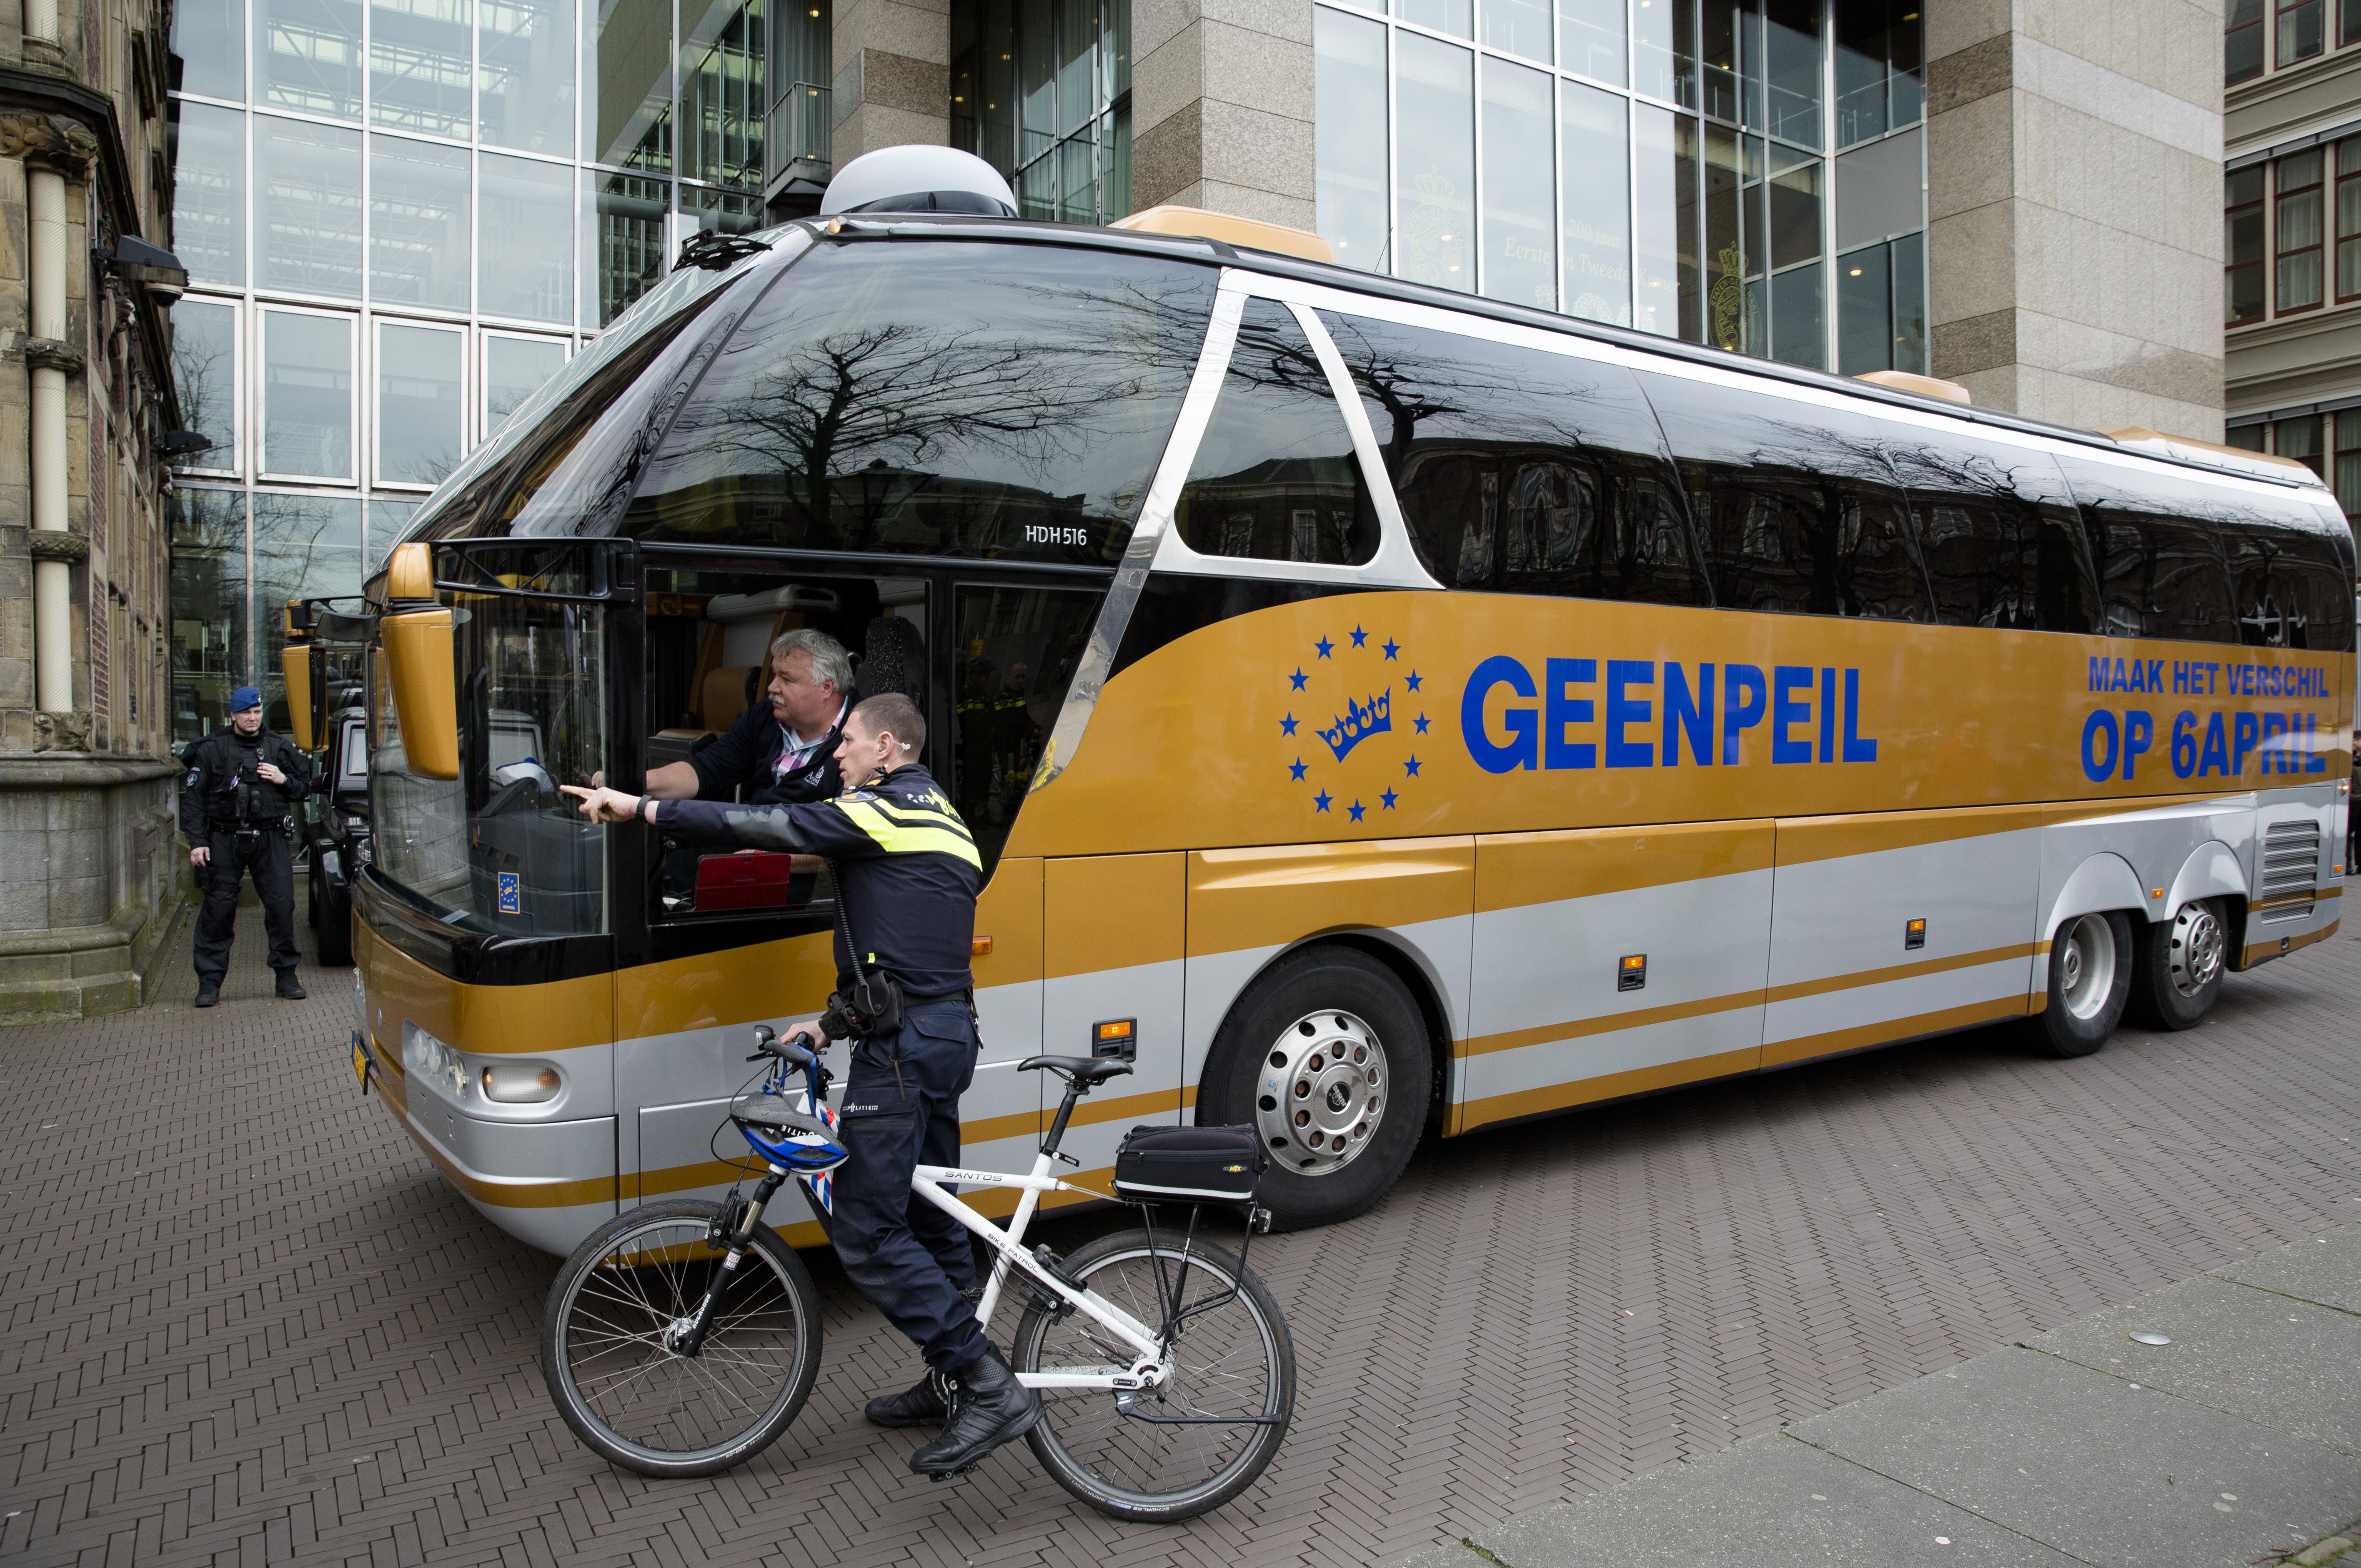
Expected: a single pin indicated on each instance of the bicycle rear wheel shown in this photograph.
(1202, 1437)
(634, 1400)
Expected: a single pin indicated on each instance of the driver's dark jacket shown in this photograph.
(906, 864)
(748, 755)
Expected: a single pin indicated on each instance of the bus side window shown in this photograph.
(1798, 508)
(2163, 571)
(1521, 471)
(1275, 477)
(1018, 649)
(1997, 530)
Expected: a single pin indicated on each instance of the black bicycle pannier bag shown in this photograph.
(1187, 1165)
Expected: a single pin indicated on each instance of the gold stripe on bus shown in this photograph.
(2256, 952)
(1893, 1031)
(1515, 870)
(488, 1020)
(1474, 1113)
(1549, 1034)
(1269, 897)
(2290, 900)
(1794, 989)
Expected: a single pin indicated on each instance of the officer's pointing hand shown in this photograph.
(603, 804)
(269, 773)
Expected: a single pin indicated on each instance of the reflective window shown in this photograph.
(1454, 17)
(1667, 292)
(304, 547)
(1434, 147)
(1798, 284)
(525, 239)
(1349, 137)
(722, 93)
(418, 224)
(307, 217)
(2300, 30)
(205, 377)
(2346, 424)
(2242, 41)
(937, 398)
(421, 68)
(1520, 470)
(1591, 33)
(1275, 478)
(210, 606)
(307, 395)
(209, 192)
(1040, 90)
(2241, 245)
(623, 255)
(524, 84)
(388, 522)
(1797, 506)
(2300, 439)
(2295, 218)
(515, 368)
(1791, 67)
(420, 403)
(1881, 78)
(1018, 649)
(1735, 240)
(1664, 54)
(2163, 573)
(1520, 216)
(2292, 588)
(626, 85)
(1519, 26)
(2348, 216)
(1997, 528)
(307, 56)
(1596, 206)
(209, 36)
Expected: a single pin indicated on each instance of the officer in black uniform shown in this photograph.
(234, 809)
(908, 873)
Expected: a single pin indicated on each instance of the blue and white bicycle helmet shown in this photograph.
(792, 1139)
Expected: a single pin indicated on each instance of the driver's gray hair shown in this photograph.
(829, 662)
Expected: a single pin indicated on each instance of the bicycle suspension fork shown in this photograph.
(735, 1226)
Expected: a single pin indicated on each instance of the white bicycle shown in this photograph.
(684, 1337)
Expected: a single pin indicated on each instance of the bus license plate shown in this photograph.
(361, 1065)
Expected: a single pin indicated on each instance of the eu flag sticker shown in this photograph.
(509, 901)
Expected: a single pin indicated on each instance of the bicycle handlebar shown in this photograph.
(768, 1044)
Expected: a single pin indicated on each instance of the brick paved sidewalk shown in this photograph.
(242, 1321)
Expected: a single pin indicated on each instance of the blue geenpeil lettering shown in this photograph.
(1523, 724)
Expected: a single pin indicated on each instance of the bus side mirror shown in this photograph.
(298, 661)
(418, 664)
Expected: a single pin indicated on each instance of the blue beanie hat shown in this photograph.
(244, 698)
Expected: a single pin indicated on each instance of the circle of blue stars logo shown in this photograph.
(1354, 720)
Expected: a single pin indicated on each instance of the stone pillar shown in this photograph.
(2075, 201)
(892, 76)
(1221, 107)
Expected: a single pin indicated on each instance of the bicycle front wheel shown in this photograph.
(1215, 1425)
(627, 1291)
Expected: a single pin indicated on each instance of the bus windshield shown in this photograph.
(969, 400)
(499, 849)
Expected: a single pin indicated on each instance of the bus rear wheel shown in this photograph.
(1326, 1057)
(2090, 981)
(2177, 967)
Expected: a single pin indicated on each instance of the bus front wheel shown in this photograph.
(2090, 981)
(2177, 967)
(1326, 1057)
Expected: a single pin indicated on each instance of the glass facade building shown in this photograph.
(1041, 91)
(402, 217)
(1748, 173)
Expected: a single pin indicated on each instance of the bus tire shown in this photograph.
(2177, 966)
(2090, 981)
(1326, 1055)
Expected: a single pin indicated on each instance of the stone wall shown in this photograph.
(1221, 107)
(2074, 207)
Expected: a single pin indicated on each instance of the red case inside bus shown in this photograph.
(743, 882)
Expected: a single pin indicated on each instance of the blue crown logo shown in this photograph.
(1359, 722)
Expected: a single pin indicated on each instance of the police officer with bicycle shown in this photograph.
(907, 872)
(234, 805)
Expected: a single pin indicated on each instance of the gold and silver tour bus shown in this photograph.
(1416, 712)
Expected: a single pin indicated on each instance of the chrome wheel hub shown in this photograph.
(1320, 1093)
(2086, 960)
(2197, 944)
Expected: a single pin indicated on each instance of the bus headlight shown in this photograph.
(520, 1083)
(425, 1057)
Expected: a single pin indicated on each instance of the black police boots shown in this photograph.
(208, 993)
(993, 1409)
(923, 1404)
(290, 988)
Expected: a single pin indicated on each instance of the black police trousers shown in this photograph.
(900, 1111)
(263, 854)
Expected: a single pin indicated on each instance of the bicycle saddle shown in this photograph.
(1088, 1071)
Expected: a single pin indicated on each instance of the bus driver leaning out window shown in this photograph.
(909, 872)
